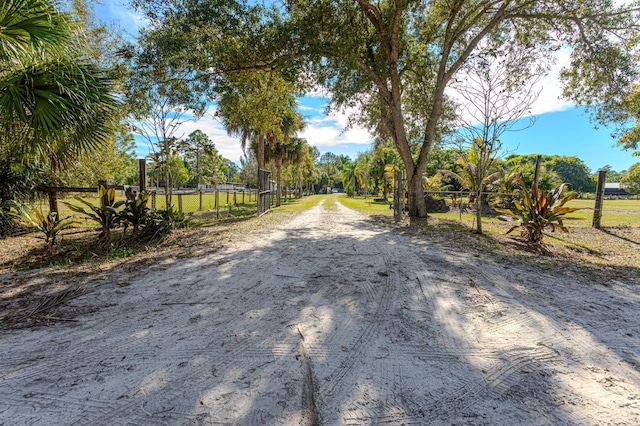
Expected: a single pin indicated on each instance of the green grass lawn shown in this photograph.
(366, 204)
(616, 212)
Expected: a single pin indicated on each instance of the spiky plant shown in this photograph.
(50, 225)
(106, 214)
(135, 211)
(536, 210)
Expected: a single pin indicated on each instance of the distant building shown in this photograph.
(614, 190)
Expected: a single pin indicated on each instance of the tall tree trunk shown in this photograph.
(417, 202)
(278, 179)
(260, 161)
(479, 210)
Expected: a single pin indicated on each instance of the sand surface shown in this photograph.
(331, 320)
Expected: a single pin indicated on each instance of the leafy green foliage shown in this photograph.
(631, 181)
(537, 210)
(556, 169)
(135, 210)
(106, 214)
(50, 225)
(53, 102)
(161, 222)
(7, 220)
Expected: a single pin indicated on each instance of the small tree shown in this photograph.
(631, 181)
(498, 90)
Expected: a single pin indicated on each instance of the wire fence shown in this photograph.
(221, 201)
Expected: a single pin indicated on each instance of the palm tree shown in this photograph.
(363, 165)
(475, 176)
(53, 103)
(350, 177)
(279, 148)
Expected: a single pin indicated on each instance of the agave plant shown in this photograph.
(106, 214)
(537, 210)
(135, 211)
(49, 225)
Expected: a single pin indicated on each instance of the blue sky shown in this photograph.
(560, 129)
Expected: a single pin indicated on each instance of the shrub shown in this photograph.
(7, 220)
(536, 210)
(135, 211)
(49, 225)
(161, 222)
(106, 214)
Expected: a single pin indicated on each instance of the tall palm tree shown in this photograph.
(280, 148)
(53, 102)
(350, 177)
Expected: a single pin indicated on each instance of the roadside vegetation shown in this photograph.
(613, 251)
(73, 95)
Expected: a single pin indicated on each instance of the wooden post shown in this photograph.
(217, 203)
(142, 174)
(536, 176)
(153, 200)
(235, 199)
(243, 196)
(53, 202)
(597, 211)
(180, 203)
(200, 200)
(102, 183)
(227, 196)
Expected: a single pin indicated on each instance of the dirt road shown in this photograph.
(333, 321)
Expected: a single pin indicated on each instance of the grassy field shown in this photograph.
(366, 204)
(616, 212)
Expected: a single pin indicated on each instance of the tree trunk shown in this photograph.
(260, 161)
(278, 179)
(260, 153)
(479, 211)
(417, 202)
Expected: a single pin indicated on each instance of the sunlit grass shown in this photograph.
(366, 204)
(299, 204)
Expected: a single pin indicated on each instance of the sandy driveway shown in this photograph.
(333, 321)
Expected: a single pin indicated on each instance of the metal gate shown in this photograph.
(264, 191)
(399, 192)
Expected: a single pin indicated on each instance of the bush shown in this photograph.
(537, 210)
(135, 211)
(161, 222)
(106, 214)
(49, 225)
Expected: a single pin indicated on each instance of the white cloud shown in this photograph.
(548, 87)
(550, 99)
(331, 130)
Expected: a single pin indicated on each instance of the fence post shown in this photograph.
(243, 196)
(153, 200)
(227, 191)
(597, 212)
(53, 201)
(235, 200)
(200, 201)
(102, 183)
(180, 203)
(142, 174)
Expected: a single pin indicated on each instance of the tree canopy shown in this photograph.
(394, 60)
